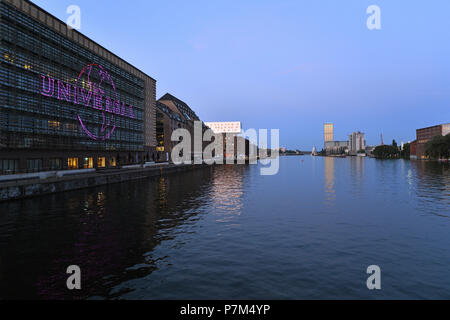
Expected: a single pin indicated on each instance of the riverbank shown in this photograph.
(19, 189)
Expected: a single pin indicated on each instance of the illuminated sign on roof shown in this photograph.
(225, 127)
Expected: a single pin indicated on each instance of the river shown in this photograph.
(226, 232)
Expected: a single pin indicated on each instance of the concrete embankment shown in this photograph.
(19, 189)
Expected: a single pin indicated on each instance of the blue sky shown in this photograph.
(291, 65)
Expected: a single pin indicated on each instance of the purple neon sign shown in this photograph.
(92, 95)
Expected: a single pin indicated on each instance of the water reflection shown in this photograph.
(432, 186)
(357, 173)
(227, 192)
(108, 232)
(330, 192)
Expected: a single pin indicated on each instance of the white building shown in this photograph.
(356, 142)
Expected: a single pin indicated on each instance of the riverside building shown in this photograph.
(356, 142)
(336, 147)
(172, 114)
(167, 121)
(67, 102)
(424, 135)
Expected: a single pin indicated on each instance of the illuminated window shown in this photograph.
(88, 163)
(72, 163)
(112, 162)
(101, 162)
(54, 124)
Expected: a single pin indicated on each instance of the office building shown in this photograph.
(328, 134)
(67, 102)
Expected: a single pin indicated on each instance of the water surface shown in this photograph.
(226, 232)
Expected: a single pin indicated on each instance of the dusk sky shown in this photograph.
(290, 65)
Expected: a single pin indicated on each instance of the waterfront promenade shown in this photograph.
(18, 189)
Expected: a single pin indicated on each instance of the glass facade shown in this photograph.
(34, 165)
(9, 166)
(328, 134)
(29, 50)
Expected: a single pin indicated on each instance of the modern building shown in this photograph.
(331, 146)
(328, 133)
(67, 102)
(424, 135)
(356, 142)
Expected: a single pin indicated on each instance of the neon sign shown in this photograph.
(92, 95)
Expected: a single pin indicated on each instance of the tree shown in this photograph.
(405, 153)
(438, 147)
(386, 152)
(394, 144)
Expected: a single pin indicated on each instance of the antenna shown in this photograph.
(382, 143)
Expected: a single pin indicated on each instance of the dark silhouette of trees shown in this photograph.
(438, 147)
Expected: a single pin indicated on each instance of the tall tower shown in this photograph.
(328, 132)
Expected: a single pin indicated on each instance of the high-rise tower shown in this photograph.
(328, 132)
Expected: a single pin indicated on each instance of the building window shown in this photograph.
(112, 162)
(88, 163)
(55, 164)
(52, 124)
(101, 162)
(8, 166)
(72, 163)
(34, 165)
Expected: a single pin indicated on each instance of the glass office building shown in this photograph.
(328, 132)
(66, 102)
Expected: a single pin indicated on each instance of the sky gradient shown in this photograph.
(289, 65)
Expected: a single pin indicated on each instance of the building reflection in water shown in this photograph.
(330, 192)
(431, 184)
(357, 174)
(227, 191)
(110, 232)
